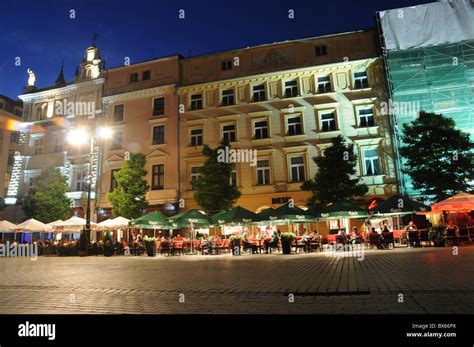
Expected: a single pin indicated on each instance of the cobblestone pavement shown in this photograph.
(428, 280)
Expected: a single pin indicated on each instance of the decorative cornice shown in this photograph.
(155, 91)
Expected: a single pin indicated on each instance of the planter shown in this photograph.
(286, 246)
(150, 248)
(83, 253)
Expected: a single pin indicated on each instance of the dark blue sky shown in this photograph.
(42, 34)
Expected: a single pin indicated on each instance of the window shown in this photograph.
(297, 169)
(360, 80)
(324, 85)
(196, 102)
(371, 161)
(158, 177)
(321, 50)
(263, 172)
(117, 140)
(366, 117)
(81, 181)
(196, 137)
(159, 135)
(226, 65)
(159, 106)
(113, 181)
(260, 129)
(58, 146)
(146, 75)
(228, 133)
(195, 174)
(328, 122)
(118, 113)
(133, 77)
(291, 89)
(227, 97)
(38, 144)
(31, 182)
(11, 157)
(259, 93)
(233, 176)
(15, 136)
(294, 126)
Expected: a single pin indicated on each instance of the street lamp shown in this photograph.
(80, 136)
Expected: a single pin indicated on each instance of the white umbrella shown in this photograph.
(74, 224)
(6, 226)
(50, 226)
(114, 223)
(31, 225)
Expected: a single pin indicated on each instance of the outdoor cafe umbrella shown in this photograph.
(235, 216)
(50, 226)
(114, 223)
(342, 209)
(31, 225)
(6, 226)
(152, 220)
(190, 219)
(398, 205)
(286, 214)
(462, 202)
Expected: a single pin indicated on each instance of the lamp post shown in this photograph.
(79, 137)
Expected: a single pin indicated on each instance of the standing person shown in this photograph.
(411, 228)
(452, 231)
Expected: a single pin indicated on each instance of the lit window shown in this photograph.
(229, 133)
(294, 126)
(196, 137)
(360, 80)
(371, 161)
(263, 172)
(260, 129)
(328, 122)
(324, 85)
(158, 177)
(259, 93)
(297, 169)
(228, 97)
(118, 113)
(291, 89)
(196, 102)
(366, 117)
(158, 135)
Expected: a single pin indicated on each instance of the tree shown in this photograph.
(213, 189)
(128, 199)
(335, 179)
(438, 156)
(47, 201)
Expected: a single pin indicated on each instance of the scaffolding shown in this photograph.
(437, 79)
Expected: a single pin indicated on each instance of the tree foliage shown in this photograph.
(47, 201)
(213, 189)
(128, 199)
(438, 157)
(336, 177)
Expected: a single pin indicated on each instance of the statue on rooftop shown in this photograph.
(31, 78)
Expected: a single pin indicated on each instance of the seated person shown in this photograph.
(247, 244)
(271, 243)
(452, 231)
(179, 238)
(356, 236)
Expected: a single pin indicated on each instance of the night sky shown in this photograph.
(42, 34)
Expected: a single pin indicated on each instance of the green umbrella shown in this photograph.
(343, 209)
(236, 215)
(398, 205)
(153, 220)
(315, 210)
(191, 217)
(286, 214)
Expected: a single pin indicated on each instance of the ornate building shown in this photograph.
(286, 101)
(141, 107)
(49, 113)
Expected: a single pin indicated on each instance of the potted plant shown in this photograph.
(286, 241)
(150, 245)
(436, 235)
(234, 241)
(108, 244)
